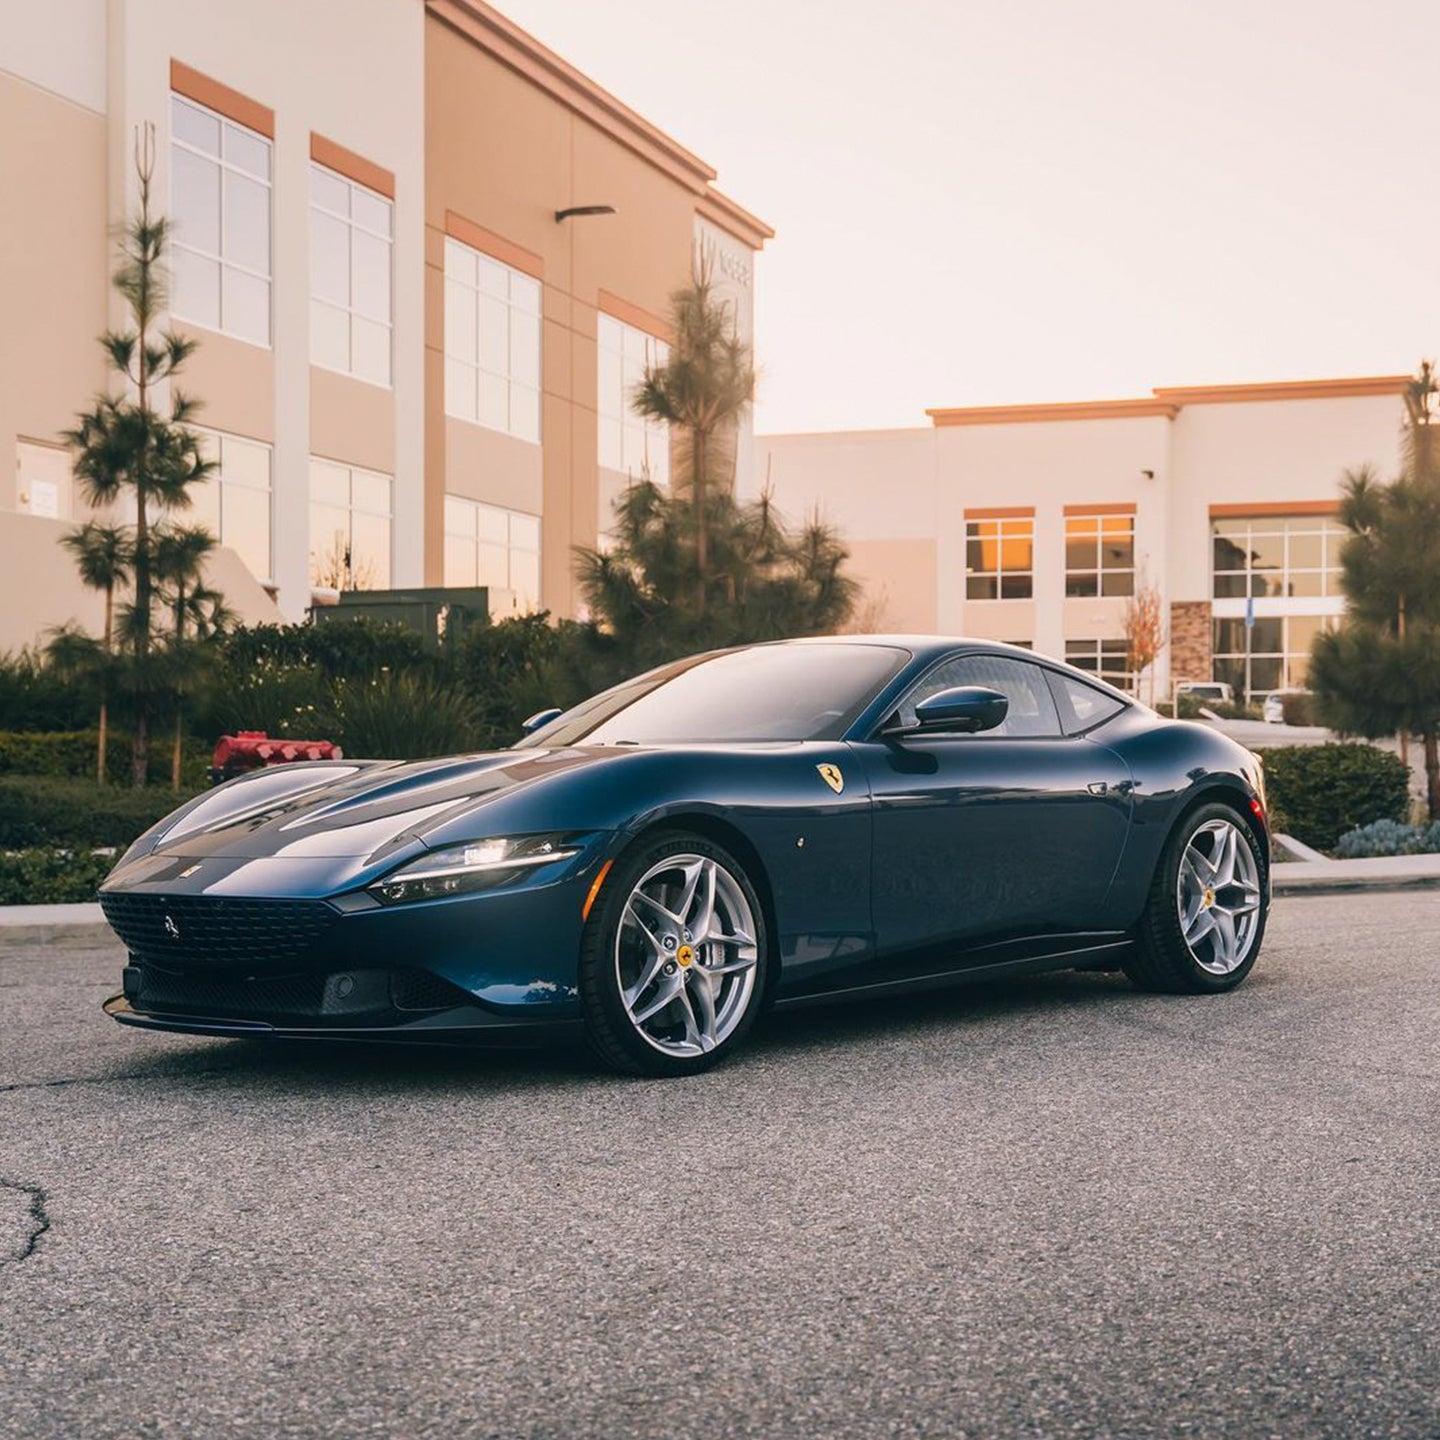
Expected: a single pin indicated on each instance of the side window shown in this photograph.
(1088, 706)
(1032, 708)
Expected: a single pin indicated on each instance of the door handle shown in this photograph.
(1098, 787)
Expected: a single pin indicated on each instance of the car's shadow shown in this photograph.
(358, 1066)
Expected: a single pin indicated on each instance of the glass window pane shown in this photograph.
(461, 263)
(1015, 550)
(524, 292)
(195, 288)
(194, 126)
(245, 306)
(370, 210)
(611, 385)
(329, 484)
(1229, 587)
(1229, 637)
(1118, 552)
(204, 508)
(195, 200)
(247, 151)
(245, 463)
(493, 525)
(524, 532)
(494, 402)
(525, 413)
(329, 258)
(525, 576)
(494, 277)
(247, 222)
(370, 491)
(1229, 554)
(1120, 582)
(460, 561)
(370, 539)
(1267, 635)
(370, 351)
(329, 546)
(1015, 587)
(1081, 583)
(460, 517)
(492, 566)
(329, 336)
(460, 395)
(370, 276)
(461, 334)
(632, 346)
(247, 527)
(1079, 552)
(610, 442)
(1305, 582)
(494, 342)
(1306, 552)
(980, 587)
(525, 349)
(329, 190)
(1265, 674)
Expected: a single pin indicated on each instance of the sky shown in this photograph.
(989, 202)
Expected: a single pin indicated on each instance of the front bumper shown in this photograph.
(468, 1025)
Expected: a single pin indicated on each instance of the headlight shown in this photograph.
(480, 865)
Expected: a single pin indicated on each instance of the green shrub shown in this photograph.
(401, 717)
(72, 753)
(42, 810)
(1387, 837)
(1298, 709)
(1318, 792)
(51, 877)
(36, 696)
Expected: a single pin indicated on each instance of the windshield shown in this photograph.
(769, 692)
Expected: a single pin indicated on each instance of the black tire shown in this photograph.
(1161, 960)
(613, 1036)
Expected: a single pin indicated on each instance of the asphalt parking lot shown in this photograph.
(1051, 1208)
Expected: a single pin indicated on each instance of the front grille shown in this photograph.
(275, 997)
(217, 931)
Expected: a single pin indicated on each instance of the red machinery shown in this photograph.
(254, 750)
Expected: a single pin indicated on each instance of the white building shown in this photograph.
(1033, 524)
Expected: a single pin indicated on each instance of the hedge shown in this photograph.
(1318, 792)
(72, 753)
(37, 810)
(51, 877)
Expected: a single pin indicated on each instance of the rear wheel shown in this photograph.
(673, 960)
(1205, 917)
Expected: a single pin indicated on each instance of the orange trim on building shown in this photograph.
(186, 81)
(1065, 410)
(641, 319)
(497, 247)
(1119, 507)
(352, 166)
(1342, 389)
(722, 212)
(1001, 512)
(1276, 507)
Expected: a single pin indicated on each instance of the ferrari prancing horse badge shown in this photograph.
(831, 775)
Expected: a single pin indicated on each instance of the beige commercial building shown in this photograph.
(414, 366)
(1037, 523)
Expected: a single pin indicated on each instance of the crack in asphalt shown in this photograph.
(39, 1218)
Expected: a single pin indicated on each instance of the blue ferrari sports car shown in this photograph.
(769, 825)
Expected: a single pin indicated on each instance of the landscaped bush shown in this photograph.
(400, 717)
(1318, 792)
(1387, 837)
(36, 696)
(72, 753)
(51, 877)
(1298, 709)
(38, 810)
(1192, 705)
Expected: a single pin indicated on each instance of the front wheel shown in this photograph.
(1205, 917)
(673, 962)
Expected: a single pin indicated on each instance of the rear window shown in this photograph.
(1089, 707)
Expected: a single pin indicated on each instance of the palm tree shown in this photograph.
(105, 558)
(126, 449)
(701, 392)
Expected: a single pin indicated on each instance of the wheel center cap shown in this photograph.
(1209, 897)
(685, 954)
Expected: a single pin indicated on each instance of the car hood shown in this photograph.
(362, 810)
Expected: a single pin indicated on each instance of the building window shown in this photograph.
(350, 309)
(234, 504)
(999, 559)
(1099, 555)
(492, 343)
(349, 527)
(220, 205)
(628, 443)
(485, 545)
(1109, 660)
(1273, 654)
(1277, 555)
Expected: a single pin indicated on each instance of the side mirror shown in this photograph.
(962, 710)
(540, 718)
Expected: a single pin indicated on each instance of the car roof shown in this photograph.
(922, 645)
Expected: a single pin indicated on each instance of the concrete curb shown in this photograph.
(49, 924)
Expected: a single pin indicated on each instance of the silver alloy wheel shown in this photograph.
(686, 954)
(1218, 897)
